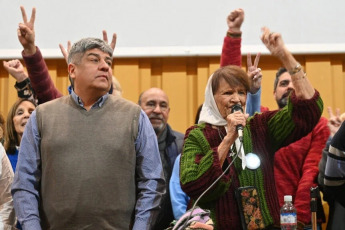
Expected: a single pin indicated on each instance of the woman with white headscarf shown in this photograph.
(212, 145)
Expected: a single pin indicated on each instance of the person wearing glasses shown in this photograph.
(155, 103)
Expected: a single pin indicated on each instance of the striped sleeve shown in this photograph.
(200, 167)
(335, 166)
(295, 120)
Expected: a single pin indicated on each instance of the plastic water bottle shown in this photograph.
(288, 216)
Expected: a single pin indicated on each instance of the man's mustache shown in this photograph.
(156, 116)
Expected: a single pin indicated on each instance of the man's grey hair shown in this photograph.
(80, 47)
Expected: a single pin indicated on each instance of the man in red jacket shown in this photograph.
(296, 165)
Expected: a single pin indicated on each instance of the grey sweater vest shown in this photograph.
(88, 164)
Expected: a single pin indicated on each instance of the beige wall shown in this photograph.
(184, 80)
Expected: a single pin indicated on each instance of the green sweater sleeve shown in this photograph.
(294, 121)
(200, 167)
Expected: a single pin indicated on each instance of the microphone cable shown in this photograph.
(202, 194)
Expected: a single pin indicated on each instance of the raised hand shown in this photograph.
(334, 121)
(113, 40)
(235, 20)
(26, 32)
(16, 69)
(254, 73)
(273, 42)
(64, 51)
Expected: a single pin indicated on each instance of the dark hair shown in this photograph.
(197, 116)
(280, 71)
(233, 75)
(11, 136)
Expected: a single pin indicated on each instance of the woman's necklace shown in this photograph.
(220, 133)
(221, 136)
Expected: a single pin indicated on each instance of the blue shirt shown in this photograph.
(25, 188)
(179, 199)
(253, 103)
(13, 159)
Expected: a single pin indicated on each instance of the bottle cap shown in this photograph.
(287, 198)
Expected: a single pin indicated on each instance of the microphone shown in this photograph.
(238, 107)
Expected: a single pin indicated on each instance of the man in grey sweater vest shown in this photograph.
(155, 104)
(88, 160)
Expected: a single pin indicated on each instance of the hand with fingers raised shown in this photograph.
(64, 51)
(26, 32)
(254, 73)
(334, 121)
(113, 40)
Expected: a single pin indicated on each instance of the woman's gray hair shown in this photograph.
(80, 47)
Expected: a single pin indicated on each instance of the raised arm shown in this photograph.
(26, 32)
(39, 76)
(23, 86)
(274, 43)
(254, 95)
(303, 112)
(231, 55)
(254, 73)
(113, 40)
(231, 52)
(16, 69)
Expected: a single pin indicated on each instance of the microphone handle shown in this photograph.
(240, 133)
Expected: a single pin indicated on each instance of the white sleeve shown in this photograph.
(7, 215)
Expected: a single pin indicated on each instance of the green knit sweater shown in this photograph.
(263, 135)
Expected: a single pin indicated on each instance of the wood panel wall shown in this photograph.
(184, 80)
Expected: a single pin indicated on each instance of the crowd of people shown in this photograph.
(139, 173)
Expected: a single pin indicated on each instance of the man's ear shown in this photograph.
(71, 70)
(168, 113)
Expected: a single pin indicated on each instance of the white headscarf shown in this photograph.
(210, 114)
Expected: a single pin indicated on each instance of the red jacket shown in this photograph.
(296, 168)
(41, 82)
